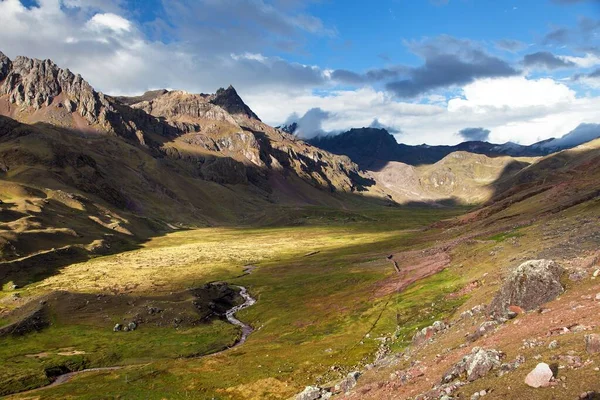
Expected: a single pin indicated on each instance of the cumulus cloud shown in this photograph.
(378, 125)
(582, 134)
(311, 123)
(200, 45)
(211, 43)
(477, 134)
(448, 62)
(113, 22)
(511, 93)
(547, 60)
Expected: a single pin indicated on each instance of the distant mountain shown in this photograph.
(373, 148)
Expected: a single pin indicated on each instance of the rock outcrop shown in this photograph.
(529, 286)
(475, 365)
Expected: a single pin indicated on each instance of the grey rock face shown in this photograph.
(529, 286)
(36, 83)
(5, 66)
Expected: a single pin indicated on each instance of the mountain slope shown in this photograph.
(460, 177)
(80, 168)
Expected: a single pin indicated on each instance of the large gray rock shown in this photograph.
(309, 393)
(529, 286)
(348, 382)
(475, 365)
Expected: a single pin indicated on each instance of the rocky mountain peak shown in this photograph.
(36, 83)
(230, 101)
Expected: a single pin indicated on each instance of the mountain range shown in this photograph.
(81, 167)
(373, 148)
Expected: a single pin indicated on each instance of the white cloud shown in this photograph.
(587, 61)
(513, 109)
(224, 46)
(109, 21)
(511, 93)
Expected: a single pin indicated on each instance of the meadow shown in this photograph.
(318, 314)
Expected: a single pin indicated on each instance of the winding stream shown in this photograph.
(230, 315)
(246, 329)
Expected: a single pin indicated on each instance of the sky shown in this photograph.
(429, 71)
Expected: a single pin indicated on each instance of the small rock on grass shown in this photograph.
(592, 343)
(540, 376)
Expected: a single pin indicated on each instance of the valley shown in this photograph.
(174, 246)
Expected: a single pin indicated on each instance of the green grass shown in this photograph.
(501, 237)
(100, 348)
(313, 313)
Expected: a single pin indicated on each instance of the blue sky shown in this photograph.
(426, 69)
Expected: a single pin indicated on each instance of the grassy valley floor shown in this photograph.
(324, 305)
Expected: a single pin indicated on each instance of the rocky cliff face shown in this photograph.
(217, 135)
(222, 124)
(36, 85)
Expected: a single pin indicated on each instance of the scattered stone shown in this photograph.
(597, 296)
(529, 286)
(516, 309)
(132, 326)
(572, 361)
(596, 273)
(441, 391)
(348, 382)
(580, 328)
(117, 328)
(578, 275)
(540, 376)
(427, 333)
(553, 345)
(310, 393)
(483, 329)
(592, 343)
(472, 312)
(509, 367)
(474, 365)
(531, 343)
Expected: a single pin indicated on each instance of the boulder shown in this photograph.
(475, 365)
(348, 382)
(117, 328)
(529, 286)
(540, 376)
(309, 393)
(592, 343)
